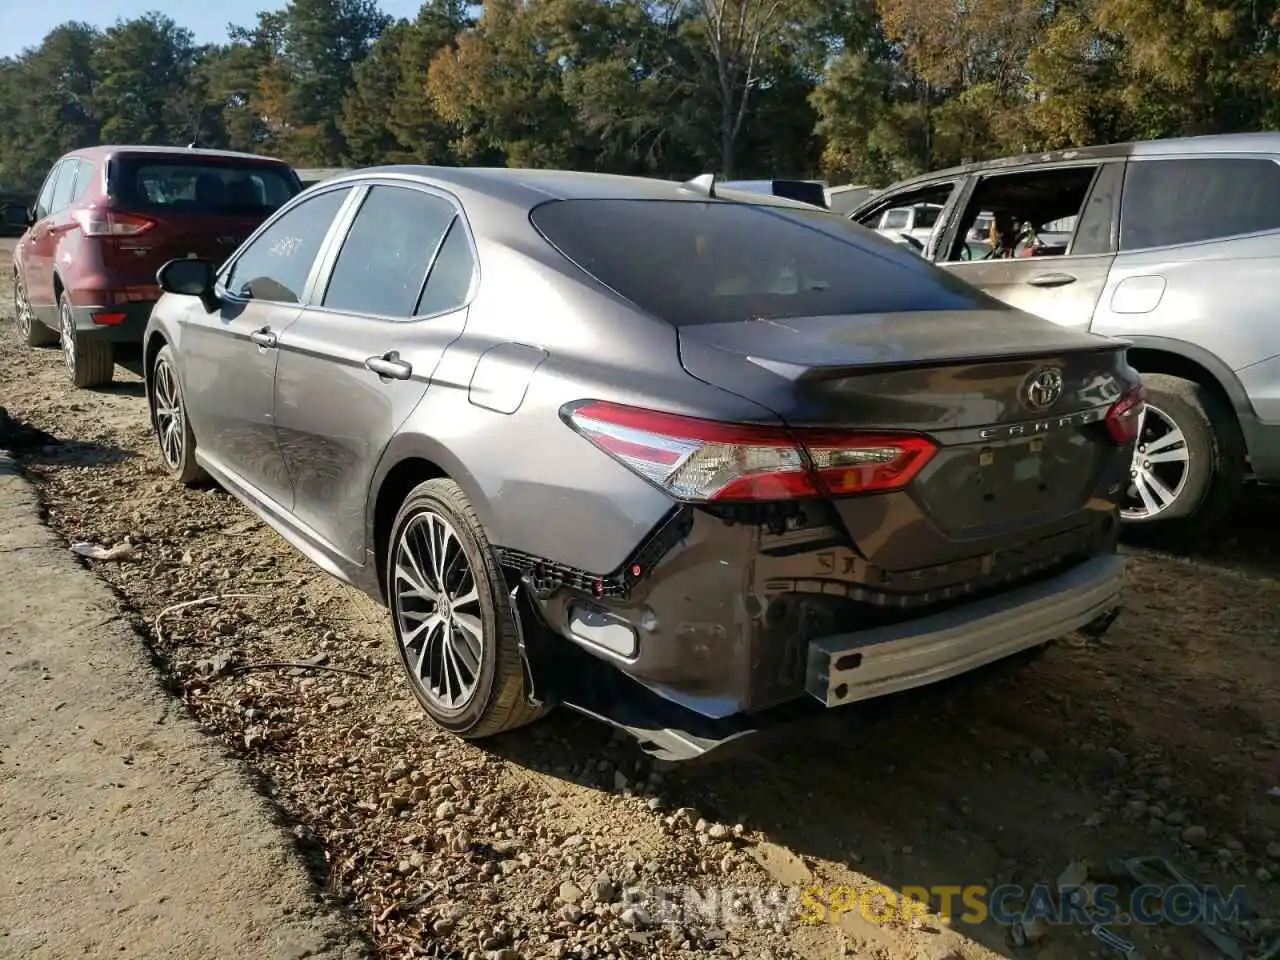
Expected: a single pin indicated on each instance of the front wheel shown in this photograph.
(169, 417)
(1188, 464)
(456, 631)
(31, 331)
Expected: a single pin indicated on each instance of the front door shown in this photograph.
(914, 216)
(358, 360)
(229, 356)
(1059, 267)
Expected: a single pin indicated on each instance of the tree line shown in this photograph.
(865, 91)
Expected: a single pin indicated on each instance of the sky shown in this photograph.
(24, 23)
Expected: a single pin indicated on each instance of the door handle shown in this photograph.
(263, 338)
(1051, 280)
(390, 365)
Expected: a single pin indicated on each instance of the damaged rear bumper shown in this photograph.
(729, 630)
(871, 663)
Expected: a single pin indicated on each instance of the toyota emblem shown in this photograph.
(1043, 388)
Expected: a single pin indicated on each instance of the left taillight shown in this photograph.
(95, 222)
(1124, 419)
(704, 461)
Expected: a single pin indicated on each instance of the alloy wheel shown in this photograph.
(1160, 467)
(436, 604)
(21, 308)
(67, 328)
(168, 413)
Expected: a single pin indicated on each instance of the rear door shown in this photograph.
(1065, 288)
(39, 243)
(360, 357)
(228, 357)
(195, 205)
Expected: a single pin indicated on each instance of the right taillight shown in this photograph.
(701, 461)
(96, 222)
(1124, 419)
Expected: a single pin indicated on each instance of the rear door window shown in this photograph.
(277, 262)
(1193, 200)
(692, 263)
(384, 260)
(84, 176)
(45, 201)
(201, 186)
(66, 183)
(451, 277)
(1033, 212)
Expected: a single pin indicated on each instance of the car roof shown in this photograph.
(527, 188)
(1209, 144)
(107, 151)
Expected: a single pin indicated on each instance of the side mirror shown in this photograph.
(189, 277)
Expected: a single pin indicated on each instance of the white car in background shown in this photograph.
(912, 225)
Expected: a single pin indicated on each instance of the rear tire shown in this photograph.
(89, 361)
(169, 418)
(1213, 465)
(455, 627)
(31, 331)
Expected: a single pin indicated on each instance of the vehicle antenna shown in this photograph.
(705, 184)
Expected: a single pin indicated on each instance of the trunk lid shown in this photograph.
(135, 259)
(1006, 466)
(202, 205)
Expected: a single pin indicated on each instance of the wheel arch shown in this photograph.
(1176, 358)
(407, 462)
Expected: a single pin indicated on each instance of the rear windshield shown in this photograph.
(693, 263)
(201, 186)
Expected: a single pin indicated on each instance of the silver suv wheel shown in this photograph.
(1160, 467)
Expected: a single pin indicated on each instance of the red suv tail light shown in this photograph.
(1125, 418)
(704, 460)
(95, 222)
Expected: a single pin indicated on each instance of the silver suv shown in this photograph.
(1173, 245)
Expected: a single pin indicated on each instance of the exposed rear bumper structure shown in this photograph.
(870, 663)
(842, 668)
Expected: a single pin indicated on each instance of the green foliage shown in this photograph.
(852, 90)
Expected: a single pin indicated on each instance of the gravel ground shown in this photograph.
(1163, 739)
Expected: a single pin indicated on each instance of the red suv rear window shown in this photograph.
(180, 185)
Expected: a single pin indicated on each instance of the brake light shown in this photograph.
(109, 318)
(95, 222)
(705, 460)
(1124, 419)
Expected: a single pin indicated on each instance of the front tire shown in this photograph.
(455, 629)
(1188, 466)
(31, 331)
(169, 418)
(90, 361)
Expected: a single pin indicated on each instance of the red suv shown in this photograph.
(107, 218)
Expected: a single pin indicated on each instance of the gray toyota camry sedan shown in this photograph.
(688, 461)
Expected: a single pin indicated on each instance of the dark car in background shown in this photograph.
(669, 454)
(107, 218)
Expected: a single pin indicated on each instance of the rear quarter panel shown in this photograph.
(1219, 296)
(536, 485)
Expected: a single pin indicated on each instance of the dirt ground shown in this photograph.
(1163, 739)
